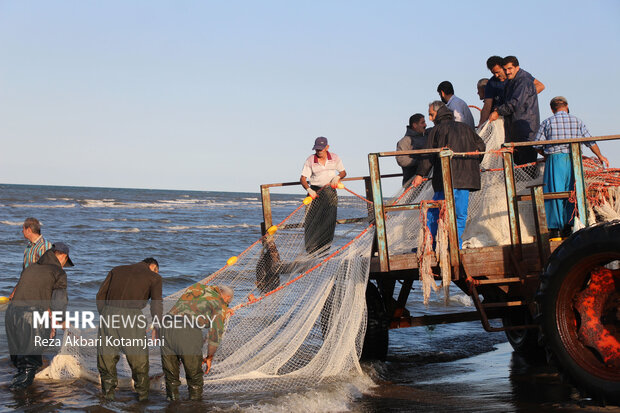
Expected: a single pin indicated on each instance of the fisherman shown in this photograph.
(461, 111)
(124, 293)
(320, 176)
(37, 245)
(465, 170)
(520, 110)
(415, 138)
(494, 89)
(480, 86)
(558, 175)
(42, 286)
(201, 306)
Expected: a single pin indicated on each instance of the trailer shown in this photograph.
(557, 299)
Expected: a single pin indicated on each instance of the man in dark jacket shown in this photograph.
(520, 110)
(465, 170)
(415, 138)
(124, 293)
(42, 286)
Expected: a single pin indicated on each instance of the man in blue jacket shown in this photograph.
(520, 110)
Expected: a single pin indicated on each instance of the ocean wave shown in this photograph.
(13, 223)
(43, 206)
(105, 219)
(184, 227)
(179, 201)
(121, 230)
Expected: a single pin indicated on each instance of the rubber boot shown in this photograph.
(195, 392)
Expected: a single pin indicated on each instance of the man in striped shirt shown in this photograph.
(558, 175)
(37, 245)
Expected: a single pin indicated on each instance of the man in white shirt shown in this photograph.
(320, 176)
(459, 108)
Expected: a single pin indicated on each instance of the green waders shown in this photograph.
(183, 344)
(108, 351)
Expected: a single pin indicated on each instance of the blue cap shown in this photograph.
(64, 248)
(320, 143)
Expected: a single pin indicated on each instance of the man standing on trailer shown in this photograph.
(320, 176)
(465, 170)
(494, 88)
(520, 110)
(415, 138)
(558, 175)
(461, 111)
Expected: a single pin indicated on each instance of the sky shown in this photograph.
(225, 96)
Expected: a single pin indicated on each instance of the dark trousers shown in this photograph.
(182, 345)
(108, 352)
(320, 220)
(21, 333)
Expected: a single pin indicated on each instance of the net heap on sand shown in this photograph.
(300, 317)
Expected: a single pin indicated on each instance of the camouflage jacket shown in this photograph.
(205, 300)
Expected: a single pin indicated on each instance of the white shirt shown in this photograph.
(321, 175)
(461, 111)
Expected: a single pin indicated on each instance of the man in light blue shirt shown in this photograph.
(458, 106)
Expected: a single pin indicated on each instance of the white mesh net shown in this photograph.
(300, 311)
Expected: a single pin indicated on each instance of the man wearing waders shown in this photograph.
(120, 300)
(201, 306)
(42, 286)
(324, 170)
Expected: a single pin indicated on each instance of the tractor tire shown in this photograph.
(579, 299)
(526, 341)
(377, 328)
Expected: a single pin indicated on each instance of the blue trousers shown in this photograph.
(558, 178)
(461, 202)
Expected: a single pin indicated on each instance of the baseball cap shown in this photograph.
(64, 248)
(320, 143)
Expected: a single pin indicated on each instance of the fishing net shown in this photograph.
(299, 308)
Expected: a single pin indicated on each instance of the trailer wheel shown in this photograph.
(524, 341)
(580, 313)
(377, 328)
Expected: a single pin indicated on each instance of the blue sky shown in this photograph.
(228, 95)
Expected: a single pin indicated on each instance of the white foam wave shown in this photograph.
(122, 230)
(333, 398)
(13, 223)
(184, 227)
(43, 206)
(105, 219)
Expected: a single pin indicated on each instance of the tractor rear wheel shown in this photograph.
(580, 309)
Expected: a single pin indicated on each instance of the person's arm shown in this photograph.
(518, 95)
(157, 303)
(426, 163)
(539, 86)
(486, 111)
(59, 293)
(404, 145)
(306, 185)
(595, 149)
(102, 294)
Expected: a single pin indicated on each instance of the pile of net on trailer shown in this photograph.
(300, 312)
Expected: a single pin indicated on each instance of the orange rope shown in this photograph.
(300, 276)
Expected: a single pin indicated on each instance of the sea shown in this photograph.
(444, 368)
